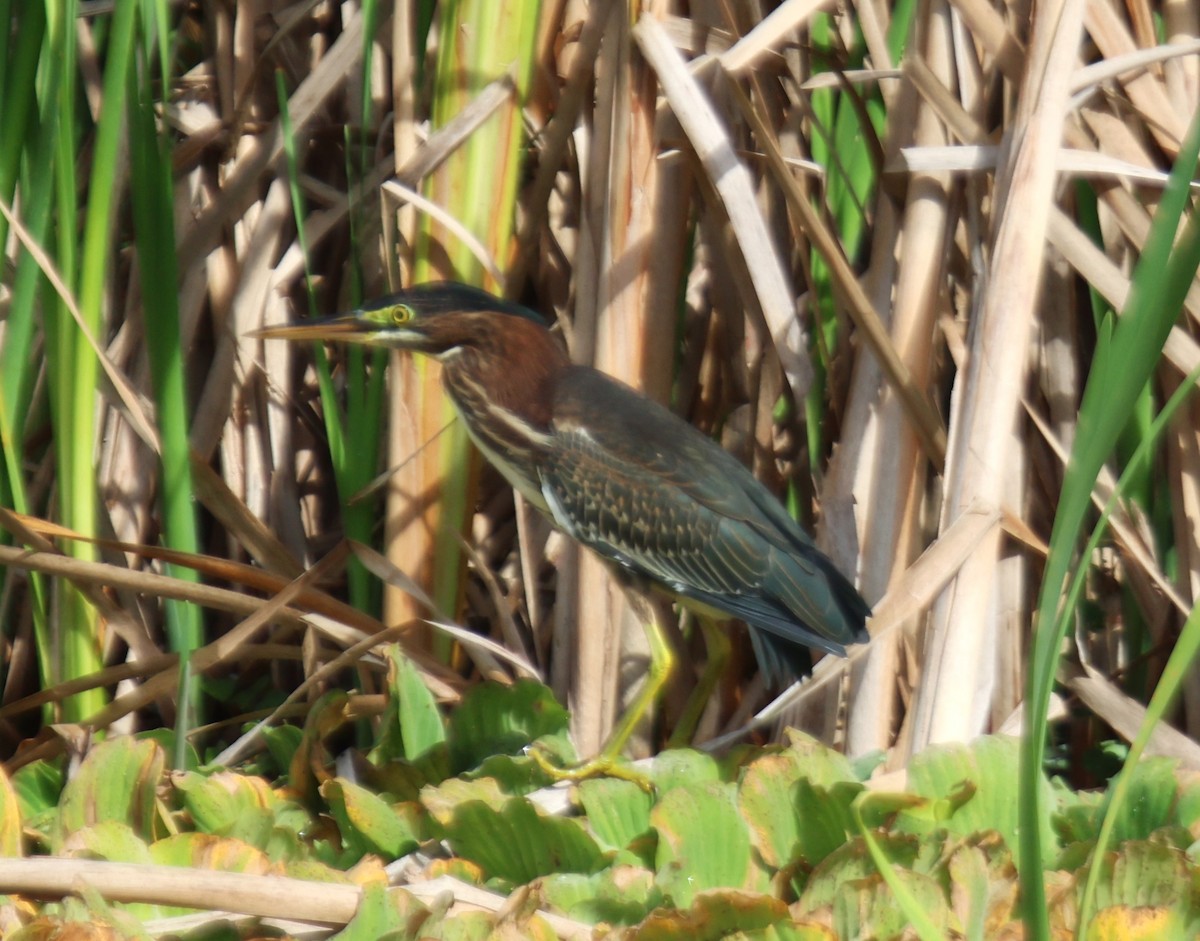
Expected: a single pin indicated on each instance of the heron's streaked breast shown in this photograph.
(507, 440)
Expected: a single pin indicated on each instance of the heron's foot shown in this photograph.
(609, 762)
(604, 765)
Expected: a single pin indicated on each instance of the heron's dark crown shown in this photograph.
(450, 320)
(437, 298)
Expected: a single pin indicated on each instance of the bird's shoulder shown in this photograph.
(628, 426)
(606, 421)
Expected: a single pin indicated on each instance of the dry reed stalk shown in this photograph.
(984, 466)
(618, 190)
(890, 478)
(946, 307)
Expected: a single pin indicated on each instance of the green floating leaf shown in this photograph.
(618, 811)
(765, 799)
(456, 868)
(790, 931)
(286, 842)
(1147, 874)
(282, 744)
(494, 719)
(325, 716)
(460, 926)
(414, 725)
(864, 765)
(1077, 816)
(111, 840)
(522, 774)
(678, 767)
(1149, 802)
(118, 781)
(703, 843)
(823, 766)
(912, 907)
(823, 817)
(989, 765)
(402, 779)
(369, 824)
(620, 895)
(1187, 798)
(228, 804)
(38, 786)
(878, 808)
(791, 815)
(313, 871)
(1127, 923)
(517, 844)
(852, 862)
(202, 851)
(971, 886)
(443, 800)
(868, 909)
(182, 758)
(380, 913)
(713, 915)
(214, 931)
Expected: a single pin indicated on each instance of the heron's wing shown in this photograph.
(642, 433)
(646, 490)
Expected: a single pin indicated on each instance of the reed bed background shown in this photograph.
(919, 264)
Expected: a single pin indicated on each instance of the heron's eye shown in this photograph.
(401, 314)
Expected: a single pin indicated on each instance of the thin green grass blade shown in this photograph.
(353, 439)
(18, 108)
(6, 16)
(1155, 502)
(365, 416)
(72, 365)
(58, 171)
(18, 71)
(1179, 664)
(1127, 352)
(840, 124)
(334, 422)
(1139, 460)
(924, 927)
(77, 440)
(31, 140)
(1184, 262)
(154, 234)
(157, 38)
(365, 411)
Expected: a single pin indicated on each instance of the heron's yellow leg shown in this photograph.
(662, 662)
(717, 645)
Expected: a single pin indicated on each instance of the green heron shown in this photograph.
(620, 474)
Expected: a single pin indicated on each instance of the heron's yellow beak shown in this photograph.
(344, 327)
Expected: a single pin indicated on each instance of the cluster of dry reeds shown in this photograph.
(872, 248)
